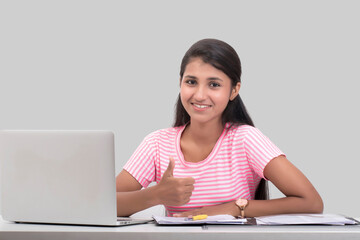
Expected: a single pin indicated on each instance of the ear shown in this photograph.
(235, 91)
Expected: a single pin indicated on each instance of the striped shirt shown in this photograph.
(232, 170)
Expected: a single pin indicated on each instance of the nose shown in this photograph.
(200, 94)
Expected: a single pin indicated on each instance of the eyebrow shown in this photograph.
(209, 79)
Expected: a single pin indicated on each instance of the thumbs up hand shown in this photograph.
(170, 169)
(174, 191)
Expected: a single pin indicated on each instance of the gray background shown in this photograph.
(114, 65)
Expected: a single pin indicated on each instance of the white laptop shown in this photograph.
(59, 177)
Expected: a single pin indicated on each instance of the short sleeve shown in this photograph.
(259, 150)
(141, 164)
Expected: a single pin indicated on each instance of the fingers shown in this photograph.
(184, 199)
(188, 213)
(189, 189)
(170, 169)
(180, 215)
(189, 181)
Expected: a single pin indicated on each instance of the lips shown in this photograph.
(200, 106)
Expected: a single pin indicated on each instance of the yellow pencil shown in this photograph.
(199, 217)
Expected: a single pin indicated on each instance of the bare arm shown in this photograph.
(301, 196)
(131, 198)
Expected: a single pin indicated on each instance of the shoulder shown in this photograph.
(244, 133)
(240, 131)
(163, 134)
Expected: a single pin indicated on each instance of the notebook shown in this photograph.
(59, 177)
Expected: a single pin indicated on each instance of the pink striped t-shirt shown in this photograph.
(232, 170)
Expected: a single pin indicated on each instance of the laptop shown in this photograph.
(59, 177)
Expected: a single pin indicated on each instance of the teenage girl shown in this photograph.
(213, 160)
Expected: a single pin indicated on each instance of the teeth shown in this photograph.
(200, 106)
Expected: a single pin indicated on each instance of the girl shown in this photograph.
(213, 160)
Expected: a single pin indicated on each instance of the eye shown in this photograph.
(214, 84)
(190, 82)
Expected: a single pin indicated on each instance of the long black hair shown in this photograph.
(223, 57)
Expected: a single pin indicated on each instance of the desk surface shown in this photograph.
(9, 231)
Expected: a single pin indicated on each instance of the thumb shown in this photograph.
(170, 169)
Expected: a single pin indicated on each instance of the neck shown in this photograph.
(205, 133)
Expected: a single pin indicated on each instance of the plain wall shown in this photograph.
(114, 65)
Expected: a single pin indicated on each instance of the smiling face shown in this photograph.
(205, 91)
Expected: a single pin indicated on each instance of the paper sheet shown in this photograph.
(292, 219)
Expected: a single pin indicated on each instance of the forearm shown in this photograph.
(131, 202)
(283, 206)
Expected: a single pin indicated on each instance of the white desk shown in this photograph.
(10, 231)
